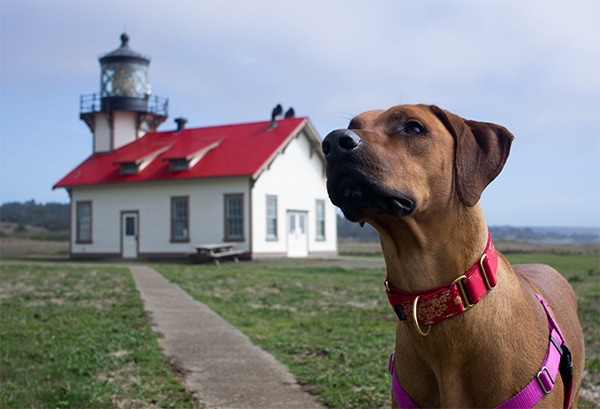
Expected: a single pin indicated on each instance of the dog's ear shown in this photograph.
(480, 152)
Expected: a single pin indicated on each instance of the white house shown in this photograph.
(145, 193)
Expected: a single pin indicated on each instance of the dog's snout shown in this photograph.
(342, 140)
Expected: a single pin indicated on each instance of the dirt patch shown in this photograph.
(10, 290)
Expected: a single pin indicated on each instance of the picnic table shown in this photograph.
(217, 251)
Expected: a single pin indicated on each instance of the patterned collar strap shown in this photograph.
(429, 307)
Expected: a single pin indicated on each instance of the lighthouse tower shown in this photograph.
(125, 108)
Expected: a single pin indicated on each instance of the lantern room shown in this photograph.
(124, 78)
(125, 108)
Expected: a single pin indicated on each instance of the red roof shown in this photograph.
(229, 150)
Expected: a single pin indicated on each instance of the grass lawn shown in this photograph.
(334, 328)
(77, 337)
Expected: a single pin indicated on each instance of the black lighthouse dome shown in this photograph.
(124, 81)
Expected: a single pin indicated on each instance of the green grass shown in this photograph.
(77, 337)
(334, 328)
(331, 327)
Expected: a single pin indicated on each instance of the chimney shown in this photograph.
(180, 124)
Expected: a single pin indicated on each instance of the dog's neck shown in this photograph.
(419, 255)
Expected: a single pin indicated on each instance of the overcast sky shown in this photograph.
(532, 66)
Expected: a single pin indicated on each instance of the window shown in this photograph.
(178, 164)
(272, 217)
(84, 222)
(320, 217)
(130, 226)
(180, 219)
(129, 168)
(234, 217)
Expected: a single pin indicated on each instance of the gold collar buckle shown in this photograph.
(463, 292)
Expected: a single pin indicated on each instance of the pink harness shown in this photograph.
(558, 355)
(558, 359)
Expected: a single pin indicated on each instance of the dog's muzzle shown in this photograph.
(352, 184)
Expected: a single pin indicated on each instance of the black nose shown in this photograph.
(342, 140)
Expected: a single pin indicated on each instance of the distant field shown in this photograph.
(357, 248)
(21, 231)
(11, 247)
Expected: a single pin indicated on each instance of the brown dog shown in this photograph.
(416, 173)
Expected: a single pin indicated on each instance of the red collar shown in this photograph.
(432, 306)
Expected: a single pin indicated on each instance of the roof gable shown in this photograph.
(216, 151)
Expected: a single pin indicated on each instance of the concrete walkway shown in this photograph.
(222, 368)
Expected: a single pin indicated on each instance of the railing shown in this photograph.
(95, 103)
(89, 103)
(158, 105)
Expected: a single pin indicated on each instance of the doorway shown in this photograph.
(297, 237)
(129, 234)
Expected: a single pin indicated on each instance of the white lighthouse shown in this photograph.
(125, 109)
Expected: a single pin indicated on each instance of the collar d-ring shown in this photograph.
(416, 320)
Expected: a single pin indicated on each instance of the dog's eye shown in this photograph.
(414, 128)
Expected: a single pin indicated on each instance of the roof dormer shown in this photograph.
(183, 157)
(136, 162)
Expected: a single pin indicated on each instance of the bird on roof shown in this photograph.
(277, 111)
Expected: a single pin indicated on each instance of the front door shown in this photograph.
(297, 237)
(129, 234)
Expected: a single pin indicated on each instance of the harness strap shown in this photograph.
(566, 362)
(558, 358)
(402, 398)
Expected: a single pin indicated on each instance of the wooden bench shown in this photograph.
(215, 252)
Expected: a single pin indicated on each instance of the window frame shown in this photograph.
(175, 219)
(272, 220)
(227, 236)
(320, 228)
(79, 223)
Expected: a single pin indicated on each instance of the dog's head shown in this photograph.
(411, 158)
